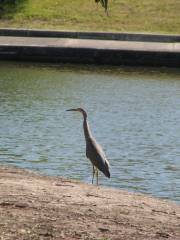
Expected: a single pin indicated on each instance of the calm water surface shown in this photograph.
(133, 112)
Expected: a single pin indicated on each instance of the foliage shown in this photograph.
(104, 4)
(9, 7)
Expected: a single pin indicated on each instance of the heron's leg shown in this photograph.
(93, 174)
(97, 176)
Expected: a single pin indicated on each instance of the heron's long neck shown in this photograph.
(87, 131)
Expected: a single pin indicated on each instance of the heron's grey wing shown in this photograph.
(97, 156)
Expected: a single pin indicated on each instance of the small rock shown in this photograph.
(103, 229)
(21, 205)
(163, 234)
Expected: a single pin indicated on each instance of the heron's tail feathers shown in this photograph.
(106, 170)
(107, 174)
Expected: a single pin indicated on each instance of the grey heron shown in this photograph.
(93, 150)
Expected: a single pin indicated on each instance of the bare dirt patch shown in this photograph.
(40, 207)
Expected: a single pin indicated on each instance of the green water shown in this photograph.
(134, 113)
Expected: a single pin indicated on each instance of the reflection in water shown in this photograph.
(134, 114)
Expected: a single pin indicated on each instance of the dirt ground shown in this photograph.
(35, 207)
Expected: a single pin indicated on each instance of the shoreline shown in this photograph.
(33, 206)
(98, 48)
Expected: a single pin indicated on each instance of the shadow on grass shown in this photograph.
(8, 8)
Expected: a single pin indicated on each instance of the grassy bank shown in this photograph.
(125, 15)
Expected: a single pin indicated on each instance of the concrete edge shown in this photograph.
(142, 37)
(90, 56)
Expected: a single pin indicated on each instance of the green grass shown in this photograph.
(158, 16)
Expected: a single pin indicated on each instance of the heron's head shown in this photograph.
(81, 110)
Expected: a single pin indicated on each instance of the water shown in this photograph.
(134, 114)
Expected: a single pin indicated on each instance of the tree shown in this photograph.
(104, 4)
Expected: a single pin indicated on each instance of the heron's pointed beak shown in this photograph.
(72, 109)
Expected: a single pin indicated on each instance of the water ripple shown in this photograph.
(134, 114)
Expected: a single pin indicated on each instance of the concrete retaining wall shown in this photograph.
(91, 35)
(90, 56)
(81, 47)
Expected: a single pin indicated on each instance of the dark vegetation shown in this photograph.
(10, 7)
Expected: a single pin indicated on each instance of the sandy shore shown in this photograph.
(39, 207)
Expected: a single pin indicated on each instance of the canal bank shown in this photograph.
(33, 206)
(90, 48)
